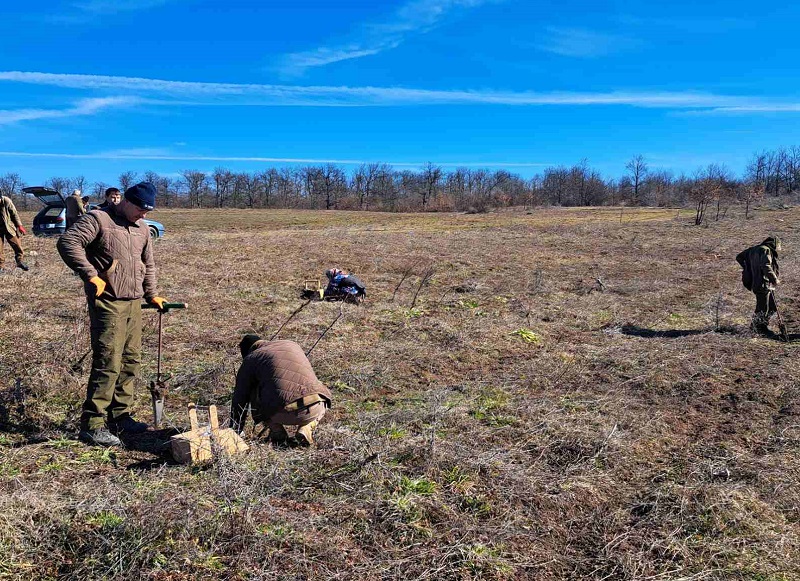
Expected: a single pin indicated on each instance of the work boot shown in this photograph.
(99, 437)
(126, 425)
(304, 435)
(277, 434)
(22, 265)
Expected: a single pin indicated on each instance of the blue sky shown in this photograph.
(97, 87)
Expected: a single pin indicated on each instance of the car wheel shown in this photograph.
(153, 232)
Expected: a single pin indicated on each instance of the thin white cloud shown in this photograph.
(136, 152)
(93, 11)
(754, 108)
(414, 17)
(131, 155)
(776, 108)
(82, 108)
(114, 6)
(163, 92)
(704, 26)
(583, 43)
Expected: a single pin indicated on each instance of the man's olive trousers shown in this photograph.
(14, 243)
(765, 308)
(116, 330)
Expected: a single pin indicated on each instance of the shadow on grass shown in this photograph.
(635, 331)
(156, 442)
(154, 463)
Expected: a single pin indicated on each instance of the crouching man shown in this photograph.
(277, 381)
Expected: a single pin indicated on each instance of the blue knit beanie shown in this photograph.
(142, 195)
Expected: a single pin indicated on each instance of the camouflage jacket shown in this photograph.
(760, 266)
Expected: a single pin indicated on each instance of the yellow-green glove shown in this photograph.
(159, 302)
(99, 285)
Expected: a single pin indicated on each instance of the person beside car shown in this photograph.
(111, 251)
(11, 229)
(113, 197)
(75, 208)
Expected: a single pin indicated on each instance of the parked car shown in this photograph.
(52, 219)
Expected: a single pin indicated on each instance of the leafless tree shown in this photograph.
(196, 184)
(99, 190)
(752, 193)
(127, 179)
(11, 186)
(290, 186)
(708, 187)
(223, 183)
(455, 186)
(554, 184)
(660, 186)
(58, 184)
(79, 183)
(165, 188)
(431, 178)
(364, 182)
(637, 169)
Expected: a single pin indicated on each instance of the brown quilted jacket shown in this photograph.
(105, 244)
(273, 375)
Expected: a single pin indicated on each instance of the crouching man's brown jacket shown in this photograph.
(274, 375)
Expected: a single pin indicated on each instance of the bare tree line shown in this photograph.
(378, 186)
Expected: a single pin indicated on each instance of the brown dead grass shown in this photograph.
(598, 449)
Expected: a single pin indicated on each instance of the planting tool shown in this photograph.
(297, 310)
(781, 324)
(325, 332)
(158, 387)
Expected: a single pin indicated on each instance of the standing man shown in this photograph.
(111, 251)
(760, 275)
(11, 229)
(75, 208)
(277, 381)
(113, 197)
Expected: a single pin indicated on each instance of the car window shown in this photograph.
(53, 212)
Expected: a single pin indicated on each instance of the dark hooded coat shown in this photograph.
(759, 264)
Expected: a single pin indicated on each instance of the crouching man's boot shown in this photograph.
(277, 434)
(304, 435)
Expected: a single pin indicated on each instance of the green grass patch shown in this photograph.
(393, 433)
(105, 519)
(488, 408)
(528, 336)
(421, 486)
(97, 456)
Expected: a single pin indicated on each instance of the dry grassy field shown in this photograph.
(519, 421)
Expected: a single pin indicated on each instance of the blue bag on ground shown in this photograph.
(342, 285)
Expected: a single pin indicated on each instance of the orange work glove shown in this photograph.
(159, 301)
(22, 230)
(99, 285)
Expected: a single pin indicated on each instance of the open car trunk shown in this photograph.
(46, 196)
(52, 218)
